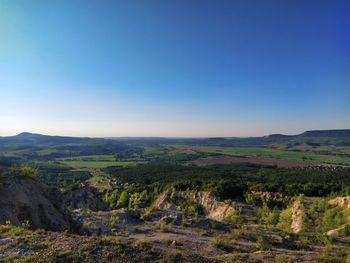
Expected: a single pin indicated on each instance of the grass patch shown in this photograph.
(94, 161)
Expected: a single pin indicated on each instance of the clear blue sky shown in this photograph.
(174, 68)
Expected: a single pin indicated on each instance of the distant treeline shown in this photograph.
(235, 179)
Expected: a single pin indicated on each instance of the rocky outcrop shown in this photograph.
(27, 200)
(164, 203)
(212, 208)
(297, 216)
(336, 232)
(341, 201)
(86, 197)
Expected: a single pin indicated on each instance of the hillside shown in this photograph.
(25, 200)
(175, 200)
(326, 133)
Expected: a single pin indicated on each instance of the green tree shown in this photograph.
(123, 200)
(285, 220)
(24, 170)
(333, 218)
(134, 201)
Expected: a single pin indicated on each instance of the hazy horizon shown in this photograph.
(174, 69)
(165, 137)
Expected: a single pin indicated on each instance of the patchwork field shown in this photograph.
(274, 156)
(253, 160)
(94, 161)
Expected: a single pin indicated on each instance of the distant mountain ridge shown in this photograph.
(326, 133)
(311, 133)
(312, 137)
(27, 137)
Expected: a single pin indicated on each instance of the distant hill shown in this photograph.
(32, 138)
(326, 133)
(279, 136)
(314, 137)
(30, 144)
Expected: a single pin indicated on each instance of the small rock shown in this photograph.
(333, 233)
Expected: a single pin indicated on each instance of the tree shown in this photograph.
(123, 200)
(24, 170)
(134, 201)
(285, 220)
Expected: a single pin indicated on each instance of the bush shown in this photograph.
(263, 243)
(236, 217)
(283, 259)
(144, 245)
(285, 220)
(123, 200)
(333, 218)
(24, 170)
(215, 225)
(219, 242)
(146, 215)
(268, 216)
(114, 219)
(346, 230)
(164, 226)
(302, 243)
(239, 233)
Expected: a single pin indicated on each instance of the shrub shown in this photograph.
(283, 259)
(333, 218)
(236, 217)
(268, 216)
(285, 220)
(263, 243)
(123, 200)
(146, 215)
(219, 242)
(87, 212)
(26, 224)
(214, 225)
(243, 232)
(346, 230)
(114, 219)
(163, 226)
(24, 170)
(144, 245)
(302, 243)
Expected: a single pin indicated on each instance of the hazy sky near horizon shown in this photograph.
(174, 68)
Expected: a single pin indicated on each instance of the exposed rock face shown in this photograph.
(86, 197)
(297, 217)
(212, 208)
(341, 201)
(23, 199)
(164, 203)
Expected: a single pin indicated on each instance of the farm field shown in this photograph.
(254, 160)
(322, 149)
(93, 161)
(307, 157)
